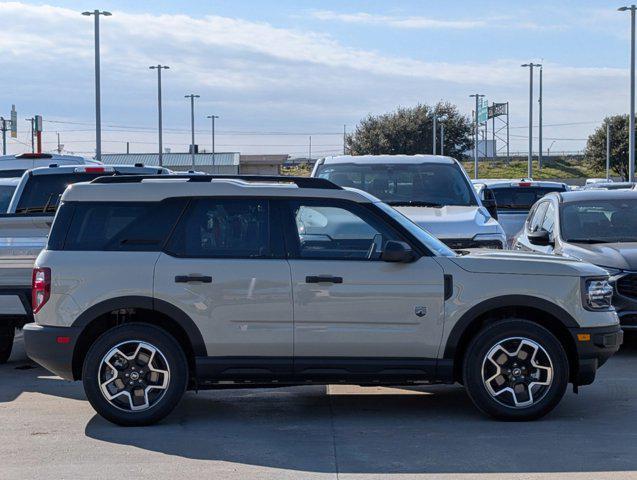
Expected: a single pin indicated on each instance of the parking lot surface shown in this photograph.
(48, 430)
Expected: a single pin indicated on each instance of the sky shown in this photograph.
(278, 72)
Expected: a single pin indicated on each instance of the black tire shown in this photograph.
(476, 359)
(172, 357)
(7, 335)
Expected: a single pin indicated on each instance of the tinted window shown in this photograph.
(427, 184)
(6, 192)
(41, 193)
(338, 232)
(549, 218)
(217, 228)
(521, 198)
(12, 173)
(120, 226)
(599, 221)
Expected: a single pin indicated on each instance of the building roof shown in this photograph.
(263, 159)
(171, 159)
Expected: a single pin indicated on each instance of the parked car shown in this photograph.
(514, 199)
(24, 230)
(433, 191)
(609, 186)
(593, 181)
(596, 226)
(150, 286)
(7, 188)
(16, 165)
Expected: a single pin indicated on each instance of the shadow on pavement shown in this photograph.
(432, 429)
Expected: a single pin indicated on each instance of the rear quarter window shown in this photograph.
(114, 226)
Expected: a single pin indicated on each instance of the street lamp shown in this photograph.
(98, 113)
(475, 136)
(529, 172)
(192, 97)
(212, 117)
(159, 68)
(631, 126)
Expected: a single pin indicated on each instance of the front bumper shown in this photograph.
(52, 347)
(594, 347)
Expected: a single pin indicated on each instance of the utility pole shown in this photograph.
(31, 121)
(539, 146)
(127, 148)
(159, 68)
(442, 138)
(631, 127)
(608, 150)
(433, 149)
(4, 135)
(344, 139)
(476, 134)
(530, 165)
(98, 107)
(310, 149)
(212, 117)
(59, 149)
(192, 97)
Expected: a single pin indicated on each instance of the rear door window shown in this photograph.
(121, 226)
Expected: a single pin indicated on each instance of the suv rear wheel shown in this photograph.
(135, 374)
(515, 370)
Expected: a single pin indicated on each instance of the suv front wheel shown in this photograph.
(515, 370)
(135, 374)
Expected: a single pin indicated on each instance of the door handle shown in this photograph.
(193, 278)
(323, 279)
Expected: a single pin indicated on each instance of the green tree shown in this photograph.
(595, 152)
(409, 131)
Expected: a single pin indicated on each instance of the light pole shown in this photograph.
(212, 117)
(98, 111)
(539, 145)
(530, 166)
(192, 97)
(433, 150)
(608, 150)
(631, 127)
(475, 136)
(442, 138)
(159, 68)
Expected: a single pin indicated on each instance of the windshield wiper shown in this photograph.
(414, 203)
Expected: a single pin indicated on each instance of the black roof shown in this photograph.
(584, 195)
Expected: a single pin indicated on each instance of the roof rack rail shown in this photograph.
(301, 182)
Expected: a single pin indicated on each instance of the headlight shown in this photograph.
(491, 240)
(597, 294)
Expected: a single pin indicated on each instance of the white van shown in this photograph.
(433, 191)
(16, 165)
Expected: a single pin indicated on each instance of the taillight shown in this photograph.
(94, 169)
(40, 287)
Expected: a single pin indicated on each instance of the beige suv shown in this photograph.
(149, 287)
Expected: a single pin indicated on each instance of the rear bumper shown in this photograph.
(52, 347)
(591, 354)
(15, 305)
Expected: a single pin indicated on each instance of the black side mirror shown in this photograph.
(397, 252)
(540, 237)
(489, 202)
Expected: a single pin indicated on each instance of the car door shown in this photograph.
(532, 224)
(224, 267)
(355, 314)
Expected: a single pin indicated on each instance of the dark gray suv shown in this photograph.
(596, 226)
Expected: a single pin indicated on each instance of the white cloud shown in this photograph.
(396, 21)
(253, 73)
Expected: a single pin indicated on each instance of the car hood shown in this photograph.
(523, 263)
(452, 221)
(615, 255)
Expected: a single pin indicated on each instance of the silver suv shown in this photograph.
(151, 286)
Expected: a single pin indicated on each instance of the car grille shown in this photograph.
(627, 285)
(464, 243)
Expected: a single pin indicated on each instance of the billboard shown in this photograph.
(483, 110)
(14, 122)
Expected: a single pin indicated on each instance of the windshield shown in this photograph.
(15, 173)
(431, 242)
(425, 184)
(521, 198)
(6, 192)
(600, 221)
(42, 193)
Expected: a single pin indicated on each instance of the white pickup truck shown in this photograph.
(25, 228)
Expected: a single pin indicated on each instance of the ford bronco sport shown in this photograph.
(152, 286)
